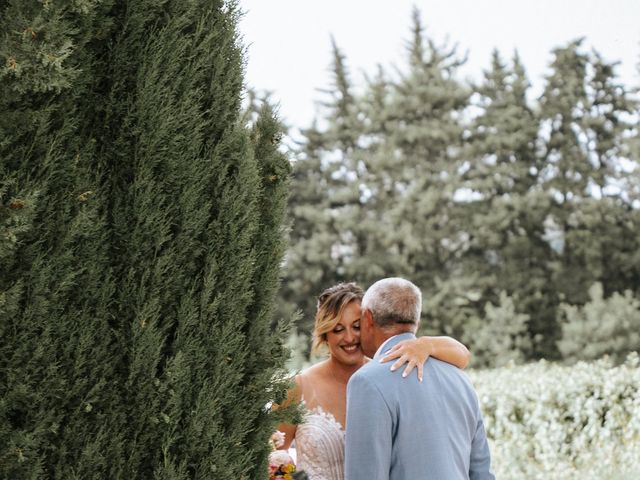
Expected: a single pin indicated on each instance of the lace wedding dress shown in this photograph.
(320, 446)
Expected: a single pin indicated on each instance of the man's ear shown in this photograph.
(367, 317)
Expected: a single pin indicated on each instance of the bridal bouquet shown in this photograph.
(281, 465)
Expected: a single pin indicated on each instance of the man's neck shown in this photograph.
(382, 335)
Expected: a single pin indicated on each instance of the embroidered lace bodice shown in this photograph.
(320, 446)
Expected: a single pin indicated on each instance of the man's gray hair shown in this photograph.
(393, 301)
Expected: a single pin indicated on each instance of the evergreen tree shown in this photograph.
(375, 178)
(564, 105)
(584, 111)
(143, 245)
(505, 210)
(59, 357)
(323, 197)
(531, 201)
(410, 155)
(607, 221)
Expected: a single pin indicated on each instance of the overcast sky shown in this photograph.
(289, 46)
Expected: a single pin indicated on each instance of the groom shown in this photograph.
(403, 429)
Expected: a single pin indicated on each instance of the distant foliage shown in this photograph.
(602, 326)
(499, 207)
(298, 345)
(549, 421)
(500, 337)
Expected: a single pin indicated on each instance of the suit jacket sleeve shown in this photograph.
(480, 464)
(369, 432)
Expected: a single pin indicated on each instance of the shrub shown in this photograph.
(501, 336)
(603, 326)
(551, 421)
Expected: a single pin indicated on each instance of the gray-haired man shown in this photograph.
(399, 429)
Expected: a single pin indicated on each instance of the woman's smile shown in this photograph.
(353, 348)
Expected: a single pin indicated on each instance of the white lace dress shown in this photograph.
(320, 446)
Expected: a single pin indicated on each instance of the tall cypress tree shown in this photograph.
(58, 350)
(144, 239)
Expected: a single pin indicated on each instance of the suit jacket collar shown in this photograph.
(390, 342)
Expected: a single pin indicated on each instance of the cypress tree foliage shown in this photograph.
(143, 245)
(56, 282)
(274, 174)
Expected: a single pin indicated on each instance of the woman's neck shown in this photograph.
(341, 372)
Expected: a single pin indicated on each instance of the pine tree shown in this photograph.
(417, 172)
(405, 167)
(584, 111)
(376, 177)
(607, 221)
(144, 239)
(506, 210)
(324, 195)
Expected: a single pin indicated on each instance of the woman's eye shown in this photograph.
(337, 330)
(356, 326)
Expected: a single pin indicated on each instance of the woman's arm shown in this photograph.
(289, 434)
(415, 353)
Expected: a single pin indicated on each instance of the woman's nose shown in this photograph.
(350, 335)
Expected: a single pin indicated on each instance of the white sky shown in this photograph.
(289, 46)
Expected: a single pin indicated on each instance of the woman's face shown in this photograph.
(344, 340)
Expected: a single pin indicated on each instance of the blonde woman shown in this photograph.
(323, 387)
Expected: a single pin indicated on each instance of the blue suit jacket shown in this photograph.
(401, 429)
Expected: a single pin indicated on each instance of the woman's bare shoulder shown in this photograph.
(310, 376)
(315, 369)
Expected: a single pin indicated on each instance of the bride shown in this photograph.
(323, 387)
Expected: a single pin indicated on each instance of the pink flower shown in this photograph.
(280, 457)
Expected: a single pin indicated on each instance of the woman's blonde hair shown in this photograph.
(331, 305)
